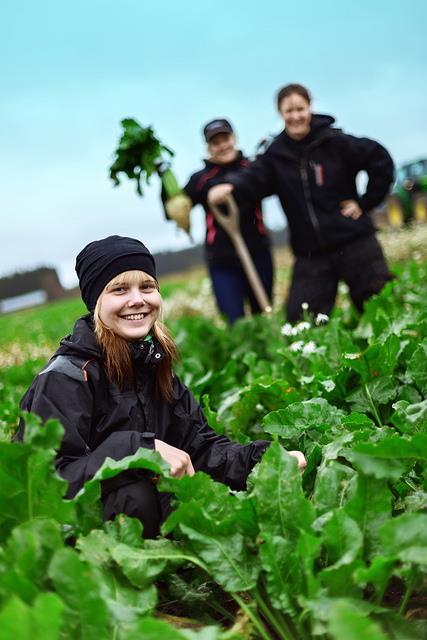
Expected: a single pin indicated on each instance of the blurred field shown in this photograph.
(29, 337)
(399, 245)
(32, 335)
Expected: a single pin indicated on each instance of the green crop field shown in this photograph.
(338, 553)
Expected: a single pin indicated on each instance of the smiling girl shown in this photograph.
(112, 387)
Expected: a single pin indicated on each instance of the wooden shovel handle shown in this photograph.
(231, 224)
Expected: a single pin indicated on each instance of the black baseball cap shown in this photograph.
(212, 128)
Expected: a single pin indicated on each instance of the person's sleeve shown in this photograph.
(370, 156)
(70, 400)
(191, 190)
(225, 461)
(255, 181)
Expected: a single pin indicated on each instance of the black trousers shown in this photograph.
(134, 494)
(360, 264)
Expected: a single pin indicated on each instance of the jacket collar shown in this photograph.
(82, 341)
(146, 353)
(320, 130)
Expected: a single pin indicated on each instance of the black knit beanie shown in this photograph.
(100, 261)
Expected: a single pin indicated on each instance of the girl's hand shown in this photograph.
(302, 462)
(350, 209)
(179, 461)
(219, 193)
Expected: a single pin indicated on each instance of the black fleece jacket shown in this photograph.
(311, 177)
(218, 246)
(102, 421)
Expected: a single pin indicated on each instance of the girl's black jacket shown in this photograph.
(218, 247)
(311, 177)
(101, 421)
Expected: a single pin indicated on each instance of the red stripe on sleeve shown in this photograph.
(206, 176)
(210, 228)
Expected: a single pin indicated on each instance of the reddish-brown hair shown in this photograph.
(118, 359)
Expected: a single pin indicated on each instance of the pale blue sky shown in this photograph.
(71, 71)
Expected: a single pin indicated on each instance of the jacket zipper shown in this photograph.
(306, 187)
(146, 399)
(311, 212)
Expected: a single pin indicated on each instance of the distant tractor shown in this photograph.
(408, 199)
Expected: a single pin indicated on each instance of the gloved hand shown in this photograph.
(178, 209)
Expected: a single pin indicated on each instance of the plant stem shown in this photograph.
(280, 626)
(373, 407)
(405, 598)
(296, 629)
(380, 594)
(218, 608)
(170, 184)
(269, 616)
(256, 621)
(410, 484)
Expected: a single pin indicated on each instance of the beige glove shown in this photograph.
(178, 209)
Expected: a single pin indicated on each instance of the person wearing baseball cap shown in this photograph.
(312, 167)
(229, 282)
(213, 128)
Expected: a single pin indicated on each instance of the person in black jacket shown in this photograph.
(312, 167)
(112, 387)
(229, 282)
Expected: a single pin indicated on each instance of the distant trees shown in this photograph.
(44, 278)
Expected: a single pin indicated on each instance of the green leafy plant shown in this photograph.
(340, 552)
(140, 154)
